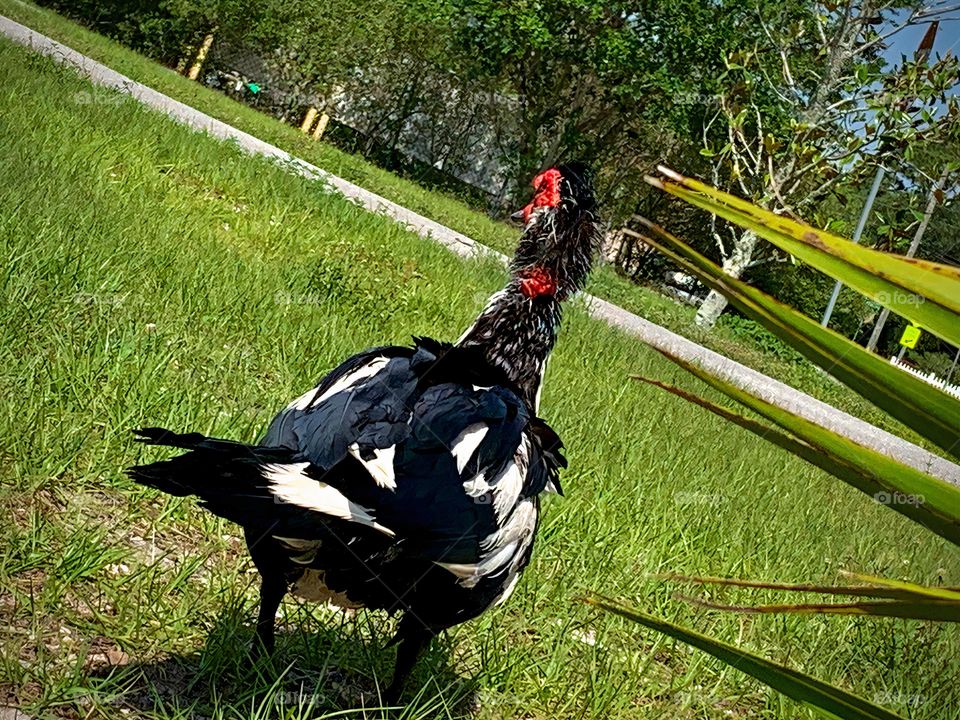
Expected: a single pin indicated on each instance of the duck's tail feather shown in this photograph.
(252, 485)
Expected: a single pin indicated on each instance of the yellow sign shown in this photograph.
(911, 333)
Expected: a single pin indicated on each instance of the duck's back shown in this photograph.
(445, 460)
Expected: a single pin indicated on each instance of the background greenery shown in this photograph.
(726, 337)
(155, 276)
(790, 104)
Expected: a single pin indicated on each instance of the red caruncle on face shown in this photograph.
(537, 282)
(547, 185)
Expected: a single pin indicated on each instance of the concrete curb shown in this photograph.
(765, 387)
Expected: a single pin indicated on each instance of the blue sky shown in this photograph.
(906, 41)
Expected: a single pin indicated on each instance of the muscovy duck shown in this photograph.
(409, 478)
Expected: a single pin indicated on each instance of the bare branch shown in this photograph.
(920, 16)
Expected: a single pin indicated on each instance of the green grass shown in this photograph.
(449, 211)
(157, 277)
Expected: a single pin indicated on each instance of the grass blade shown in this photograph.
(916, 610)
(826, 698)
(945, 593)
(892, 589)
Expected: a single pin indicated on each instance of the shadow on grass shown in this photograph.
(330, 669)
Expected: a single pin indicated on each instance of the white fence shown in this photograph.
(929, 377)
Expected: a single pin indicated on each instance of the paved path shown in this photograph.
(769, 389)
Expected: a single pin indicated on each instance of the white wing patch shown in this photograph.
(502, 552)
(519, 528)
(508, 484)
(289, 484)
(508, 591)
(381, 467)
(281, 431)
(504, 489)
(502, 548)
(303, 402)
(476, 487)
(466, 443)
(471, 573)
(520, 525)
(362, 373)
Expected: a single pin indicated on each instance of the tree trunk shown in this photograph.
(735, 264)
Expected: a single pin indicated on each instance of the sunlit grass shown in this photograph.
(606, 282)
(157, 277)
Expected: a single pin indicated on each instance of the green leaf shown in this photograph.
(828, 699)
(917, 404)
(903, 586)
(937, 611)
(891, 589)
(932, 502)
(924, 292)
(897, 598)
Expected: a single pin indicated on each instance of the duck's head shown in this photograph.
(561, 233)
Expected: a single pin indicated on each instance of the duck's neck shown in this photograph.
(516, 333)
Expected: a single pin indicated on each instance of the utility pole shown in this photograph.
(864, 216)
(911, 251)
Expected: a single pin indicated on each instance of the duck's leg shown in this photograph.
(269, 559)
(272, 590)
(413, 636)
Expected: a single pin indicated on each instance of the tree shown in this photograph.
(809, 112)
(594, 80)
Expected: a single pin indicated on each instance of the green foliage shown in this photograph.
(613, 84)
(750, 331)
(939, 363)
(926, 293)
(886, 598)
(118, 600)
(151, 27)
(808, 290)
(931, 501)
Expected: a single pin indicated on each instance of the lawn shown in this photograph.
(155, 276)
(447, 210)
